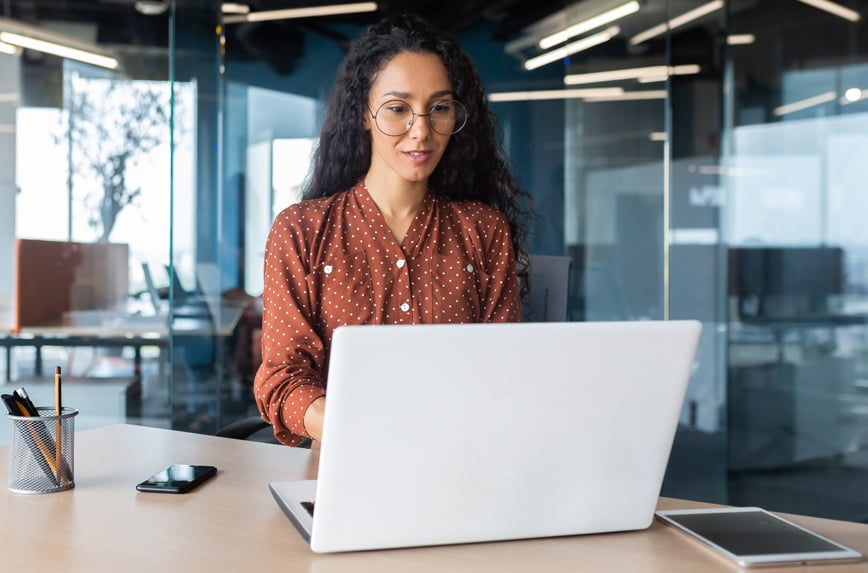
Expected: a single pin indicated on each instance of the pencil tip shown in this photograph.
(57, 369)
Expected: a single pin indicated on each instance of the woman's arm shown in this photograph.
(502, 302)
(289, 379)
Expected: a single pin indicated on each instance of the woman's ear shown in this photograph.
(367, 120)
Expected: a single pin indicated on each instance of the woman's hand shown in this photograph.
(313, 418)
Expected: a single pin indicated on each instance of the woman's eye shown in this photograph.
(441, 107)
(397, 108)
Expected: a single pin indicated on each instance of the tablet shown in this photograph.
(754, 537)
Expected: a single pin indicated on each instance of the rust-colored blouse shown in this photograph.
(334, 261)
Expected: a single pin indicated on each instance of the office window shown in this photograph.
(110, 180)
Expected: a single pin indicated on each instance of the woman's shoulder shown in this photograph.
(472, 210)
(308, 212)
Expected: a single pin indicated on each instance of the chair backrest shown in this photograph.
(549, 288)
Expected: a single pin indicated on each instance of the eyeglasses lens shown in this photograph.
(396, 117)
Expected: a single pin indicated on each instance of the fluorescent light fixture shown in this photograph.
(589, 24)
(648, 73)
(9, 49)
(677, 22)
(151, 7)
(572, 48)
(740, 39)
(7, 128)
(657, 136)
(539, 95)
(630, 96)
(310, 12)
(234, 8)
(834, 9)
(683, 70)
(32, 37)
(653, 79)
(805, 103)
(852, 95)
(9, 97)
(59, 50)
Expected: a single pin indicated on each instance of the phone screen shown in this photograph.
(177, 478)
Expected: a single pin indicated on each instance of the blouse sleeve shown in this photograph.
(289, 378)
(502, 303)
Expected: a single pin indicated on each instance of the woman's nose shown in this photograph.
(421, 127)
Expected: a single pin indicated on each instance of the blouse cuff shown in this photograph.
(295, 406)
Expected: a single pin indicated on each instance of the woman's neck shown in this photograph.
(398, 202)
(396, 199)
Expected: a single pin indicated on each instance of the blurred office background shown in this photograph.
(692, 159)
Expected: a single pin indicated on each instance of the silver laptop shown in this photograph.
(443, 434)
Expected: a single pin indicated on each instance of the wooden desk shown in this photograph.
(231, 523)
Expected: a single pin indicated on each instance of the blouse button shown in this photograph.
(469, 268)
(327, 269)
(405, 307)
(400, 263)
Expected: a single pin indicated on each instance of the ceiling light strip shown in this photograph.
(805, 103)
(589, 24)
(740, 39)
(9, 49)
(684, 70)
(677, 22)
(629, 96)
(234, 8)
(852, 95)
(56, 49)
(647, 73)
(295, 13)
(572, 48)
(834, 9)
(540, 95)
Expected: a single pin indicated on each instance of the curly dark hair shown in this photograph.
(473, 167)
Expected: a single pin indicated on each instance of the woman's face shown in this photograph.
(409, 81)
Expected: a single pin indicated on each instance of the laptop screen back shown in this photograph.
(459, 433)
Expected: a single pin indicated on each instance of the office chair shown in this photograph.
(243, 428)
(549, 288)
(248, 429)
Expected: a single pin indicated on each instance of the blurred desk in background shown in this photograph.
(112, 330)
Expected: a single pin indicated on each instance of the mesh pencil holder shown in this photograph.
(35, 464)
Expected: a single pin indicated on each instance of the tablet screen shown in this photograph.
(753, 536)
(753, 533)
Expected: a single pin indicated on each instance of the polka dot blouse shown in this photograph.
(333, 261)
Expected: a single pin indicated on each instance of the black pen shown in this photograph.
(41, 452)
(25, 400)
(30, 409)
(11, 404)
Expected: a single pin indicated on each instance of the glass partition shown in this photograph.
(793, 176)
(85, 154)
(689, 159)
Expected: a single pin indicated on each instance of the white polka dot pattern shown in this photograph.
(333, 261)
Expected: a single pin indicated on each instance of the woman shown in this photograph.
(410, 216)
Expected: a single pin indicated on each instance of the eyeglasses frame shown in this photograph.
(415, 115)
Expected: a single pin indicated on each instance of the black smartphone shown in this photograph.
(177, 478)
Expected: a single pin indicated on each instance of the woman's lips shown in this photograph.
(417, 156)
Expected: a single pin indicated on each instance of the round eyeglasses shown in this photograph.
(396, 117)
